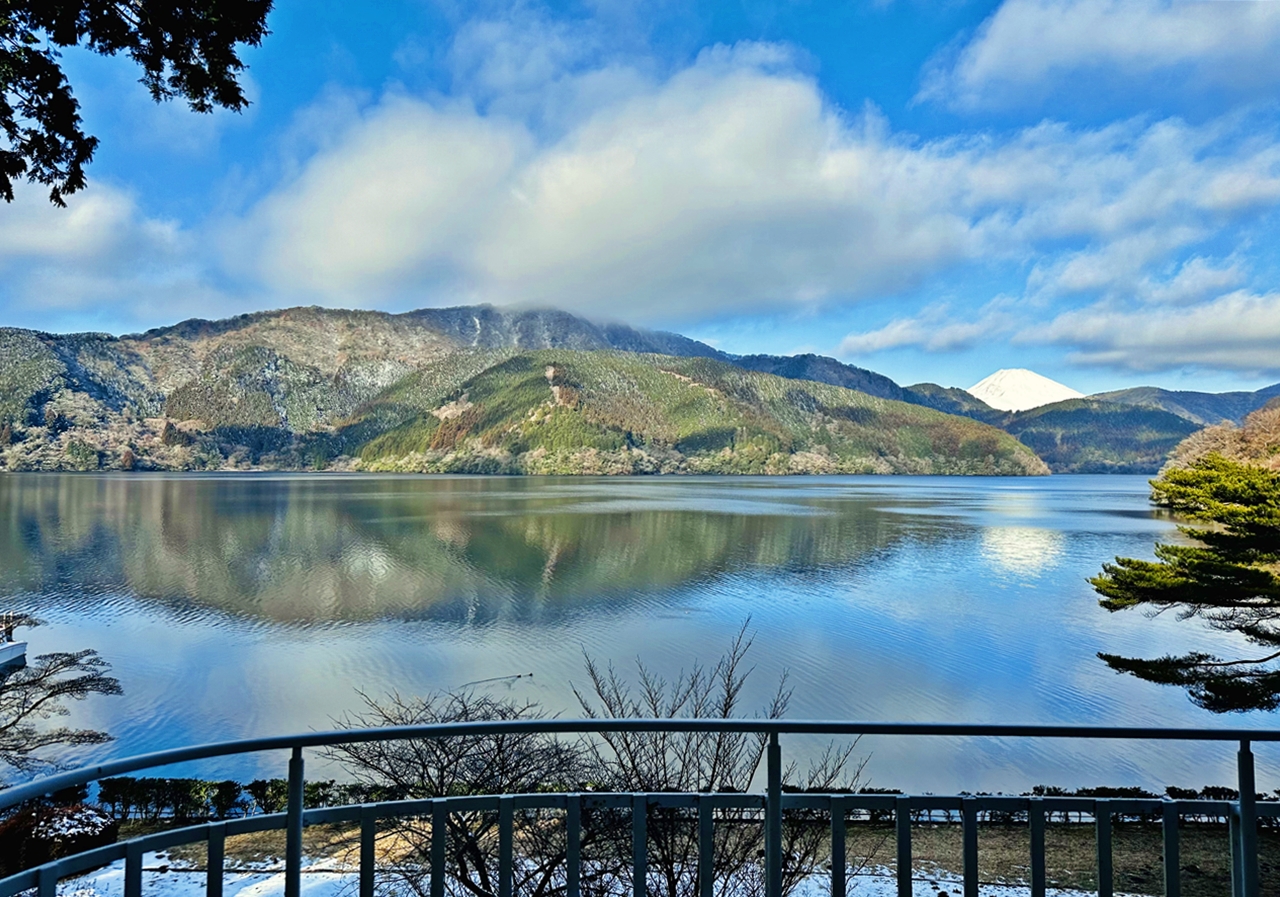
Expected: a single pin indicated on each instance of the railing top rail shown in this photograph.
(48, 784)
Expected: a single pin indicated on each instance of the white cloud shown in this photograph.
(99, 258)
(1028, 49)
(1236, 332)
(401, 197)
(938, 328)
(1195, 280)
(730, 186)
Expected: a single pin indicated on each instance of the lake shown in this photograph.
(238, 605)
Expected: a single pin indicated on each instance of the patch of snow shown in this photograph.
(322, 879)
(319, 879)
(1017, 389)
(75, 822)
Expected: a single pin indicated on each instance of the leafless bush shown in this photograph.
(445, 767)
(704, 762)
(699, 762)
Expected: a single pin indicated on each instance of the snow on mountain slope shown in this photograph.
(1017, 389)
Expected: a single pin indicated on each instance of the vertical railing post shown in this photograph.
(573, 845)
(902, 819)
(439, 843)
(1248, 822)
(47, 881)
(368, 848)
(506, 845)
(969, 832)
(133, 869)
(839, 856)
(639, 845)
(1035, 819)
(215, 860)
(1172, 861)
(293, 828)
(706, 846)
(1102, 819)
(773, 820)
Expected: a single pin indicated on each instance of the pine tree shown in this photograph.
(1229, 580)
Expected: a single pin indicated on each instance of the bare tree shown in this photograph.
(620, 762)
(704, 762)
(482, 764)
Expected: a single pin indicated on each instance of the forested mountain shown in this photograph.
(952, 400)
(1078, 435)
(1255, 442)
(455, 389)
(823, 370)
(307, 387)
(1088, 436)
(1198, 407)
(557, 411)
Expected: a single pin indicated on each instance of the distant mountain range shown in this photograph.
(481, 388)
(1198, 407)
(1126, 431)
(464, 389)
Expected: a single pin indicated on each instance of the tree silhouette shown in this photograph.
(186, 49)
(1229, 580)
(39, 691)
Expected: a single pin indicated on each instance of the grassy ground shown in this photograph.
(1070, 854)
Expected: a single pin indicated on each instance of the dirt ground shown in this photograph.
(1003, 851)
(1071, 855)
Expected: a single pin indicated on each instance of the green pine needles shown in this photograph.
(1229, 580)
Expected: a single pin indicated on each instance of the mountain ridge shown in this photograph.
(347, 389)
(205, 393)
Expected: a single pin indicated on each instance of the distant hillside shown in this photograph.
(952, 400)
(1256, 441)
(486, 327)
(823, 370)
(1075, 436)
(1199, 407)
(1088, 436)
(452, 389)
(609, 412)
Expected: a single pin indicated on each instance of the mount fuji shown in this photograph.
(1017, 389)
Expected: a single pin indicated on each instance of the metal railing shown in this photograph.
(1243, 814)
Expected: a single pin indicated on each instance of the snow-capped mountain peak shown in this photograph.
(1017, 389)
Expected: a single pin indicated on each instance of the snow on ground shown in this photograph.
(323, 879)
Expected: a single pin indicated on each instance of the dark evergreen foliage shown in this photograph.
(186, 50)
(1228, 580)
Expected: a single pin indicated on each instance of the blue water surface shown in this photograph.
(234, 606)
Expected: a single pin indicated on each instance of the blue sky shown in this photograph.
(933, 190)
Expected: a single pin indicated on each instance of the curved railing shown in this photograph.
(1242, 813)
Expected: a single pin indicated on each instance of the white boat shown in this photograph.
(11, 651)
(10, 648)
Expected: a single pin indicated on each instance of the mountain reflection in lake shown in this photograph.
(232, 606)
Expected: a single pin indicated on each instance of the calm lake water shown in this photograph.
(233, 606)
